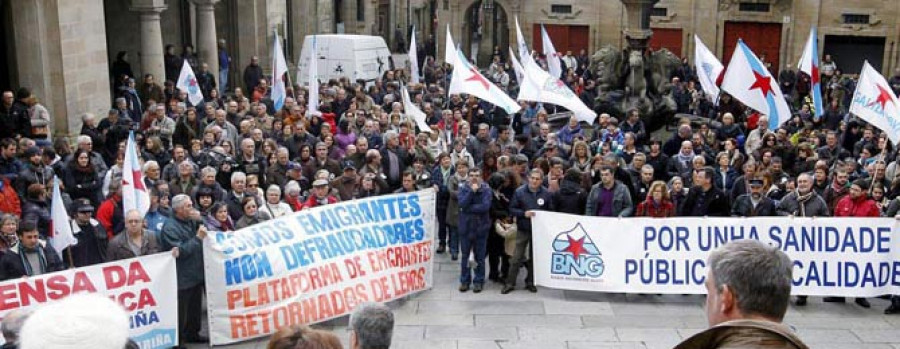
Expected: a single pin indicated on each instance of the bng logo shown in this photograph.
(574, 251)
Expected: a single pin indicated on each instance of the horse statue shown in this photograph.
(663, 62)
(608, 64)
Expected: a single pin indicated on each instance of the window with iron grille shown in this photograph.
(754, 7)
(659, 12)
(855, 18)
(561, 8)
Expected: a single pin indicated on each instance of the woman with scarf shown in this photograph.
(187, 129)
(292, 195)
(657, 204)
(252, 215)
(81, 178)
(218, 219)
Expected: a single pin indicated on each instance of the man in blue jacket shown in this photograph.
(184, 231)
(528, 198)
(474, 225)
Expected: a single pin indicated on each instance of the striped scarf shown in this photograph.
(27, 265)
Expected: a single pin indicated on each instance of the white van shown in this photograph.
(340, 55)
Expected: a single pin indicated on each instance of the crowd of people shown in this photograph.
(233, 161)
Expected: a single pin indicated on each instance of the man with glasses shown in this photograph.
(136, 241)
(527, 199)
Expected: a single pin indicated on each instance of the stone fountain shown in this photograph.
(635, 77)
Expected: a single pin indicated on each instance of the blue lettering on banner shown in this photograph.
(830, 239)
(665, 271)
(846, 274)
(247, 268)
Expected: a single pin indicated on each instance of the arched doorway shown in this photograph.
(486, 26)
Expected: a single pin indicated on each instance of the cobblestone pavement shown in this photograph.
(444, 318)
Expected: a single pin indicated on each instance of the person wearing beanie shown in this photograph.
(76, 322)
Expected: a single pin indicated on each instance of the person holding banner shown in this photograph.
(527, 198)
(748, 287)
(135, 242)
(803, 202)
(856, 204)
(474, 224)
(184, 231)
(30, 256)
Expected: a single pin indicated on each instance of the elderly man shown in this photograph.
(136, 241)
(803, 202)
(161, 125)
(184, 231)
(320, 195)
(371, 326)
(748, 287)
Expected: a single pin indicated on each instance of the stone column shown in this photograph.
(151, 38)
(206, 34)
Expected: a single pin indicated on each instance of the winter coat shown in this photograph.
(189, 263)
(814, 207)
(525, 200)
(647, 208)
(453, 187)
(743, 207)
(83, 184)
(119, 248)
(745, 334)
(621, 201)
(570, 198)
(12, 266)
(860, 207)
(474, 210)
(716, 204)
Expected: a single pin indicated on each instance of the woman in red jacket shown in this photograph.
(657, 204)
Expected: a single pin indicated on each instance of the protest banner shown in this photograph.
(317, 264)
(145, 286)
(852, 257)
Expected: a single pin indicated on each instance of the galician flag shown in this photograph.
(875, 103)
(540, 86)
(279, 69)
(749, 81)
(809, 64)
(413, 58)
(554, 66)
(187, 82)
(413, 111)
(134, 194)
(709, 69)
(467, 79)
(312, 107)
(449, 48)
(61, 231)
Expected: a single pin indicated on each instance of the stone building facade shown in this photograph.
(62, 49)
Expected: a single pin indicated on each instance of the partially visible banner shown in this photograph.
(318, 264)
(145, 286)
(852, 257)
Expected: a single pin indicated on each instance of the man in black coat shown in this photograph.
(754, 204)
(704, 199)
(30, 256)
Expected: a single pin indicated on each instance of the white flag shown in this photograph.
(449, 48)
(524, 53)
(60, 227)
(809, 64)
(412, 110)
(520, 72)
(554, 66)
(413, 58)
(708, 67)
(467, 79)
(187, 82)
(279, 69)
(134, 194)
(875, 102)
(540, 86)
(313, 102)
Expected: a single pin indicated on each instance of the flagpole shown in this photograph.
(69, 254)
(288, 71)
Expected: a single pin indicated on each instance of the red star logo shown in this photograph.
(139, 185)
(477, 77)
(815, 74)
(576, 247)
(192, 82)
(763, 83)
(884, 97)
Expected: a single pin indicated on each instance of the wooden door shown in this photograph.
(764, 39)
(670, 39)
(564, 37)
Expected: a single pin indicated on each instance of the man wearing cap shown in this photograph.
(135, 242)
(92, 238)
(856, 204)
(320, 195)
(34, 172)
(753, 204)
(348, 183)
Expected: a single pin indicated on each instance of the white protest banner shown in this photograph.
(851, 257)
(145, 286)
(318, 264)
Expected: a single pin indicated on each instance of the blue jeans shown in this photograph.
(454, 240)
(223, 81)
(478, 243)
